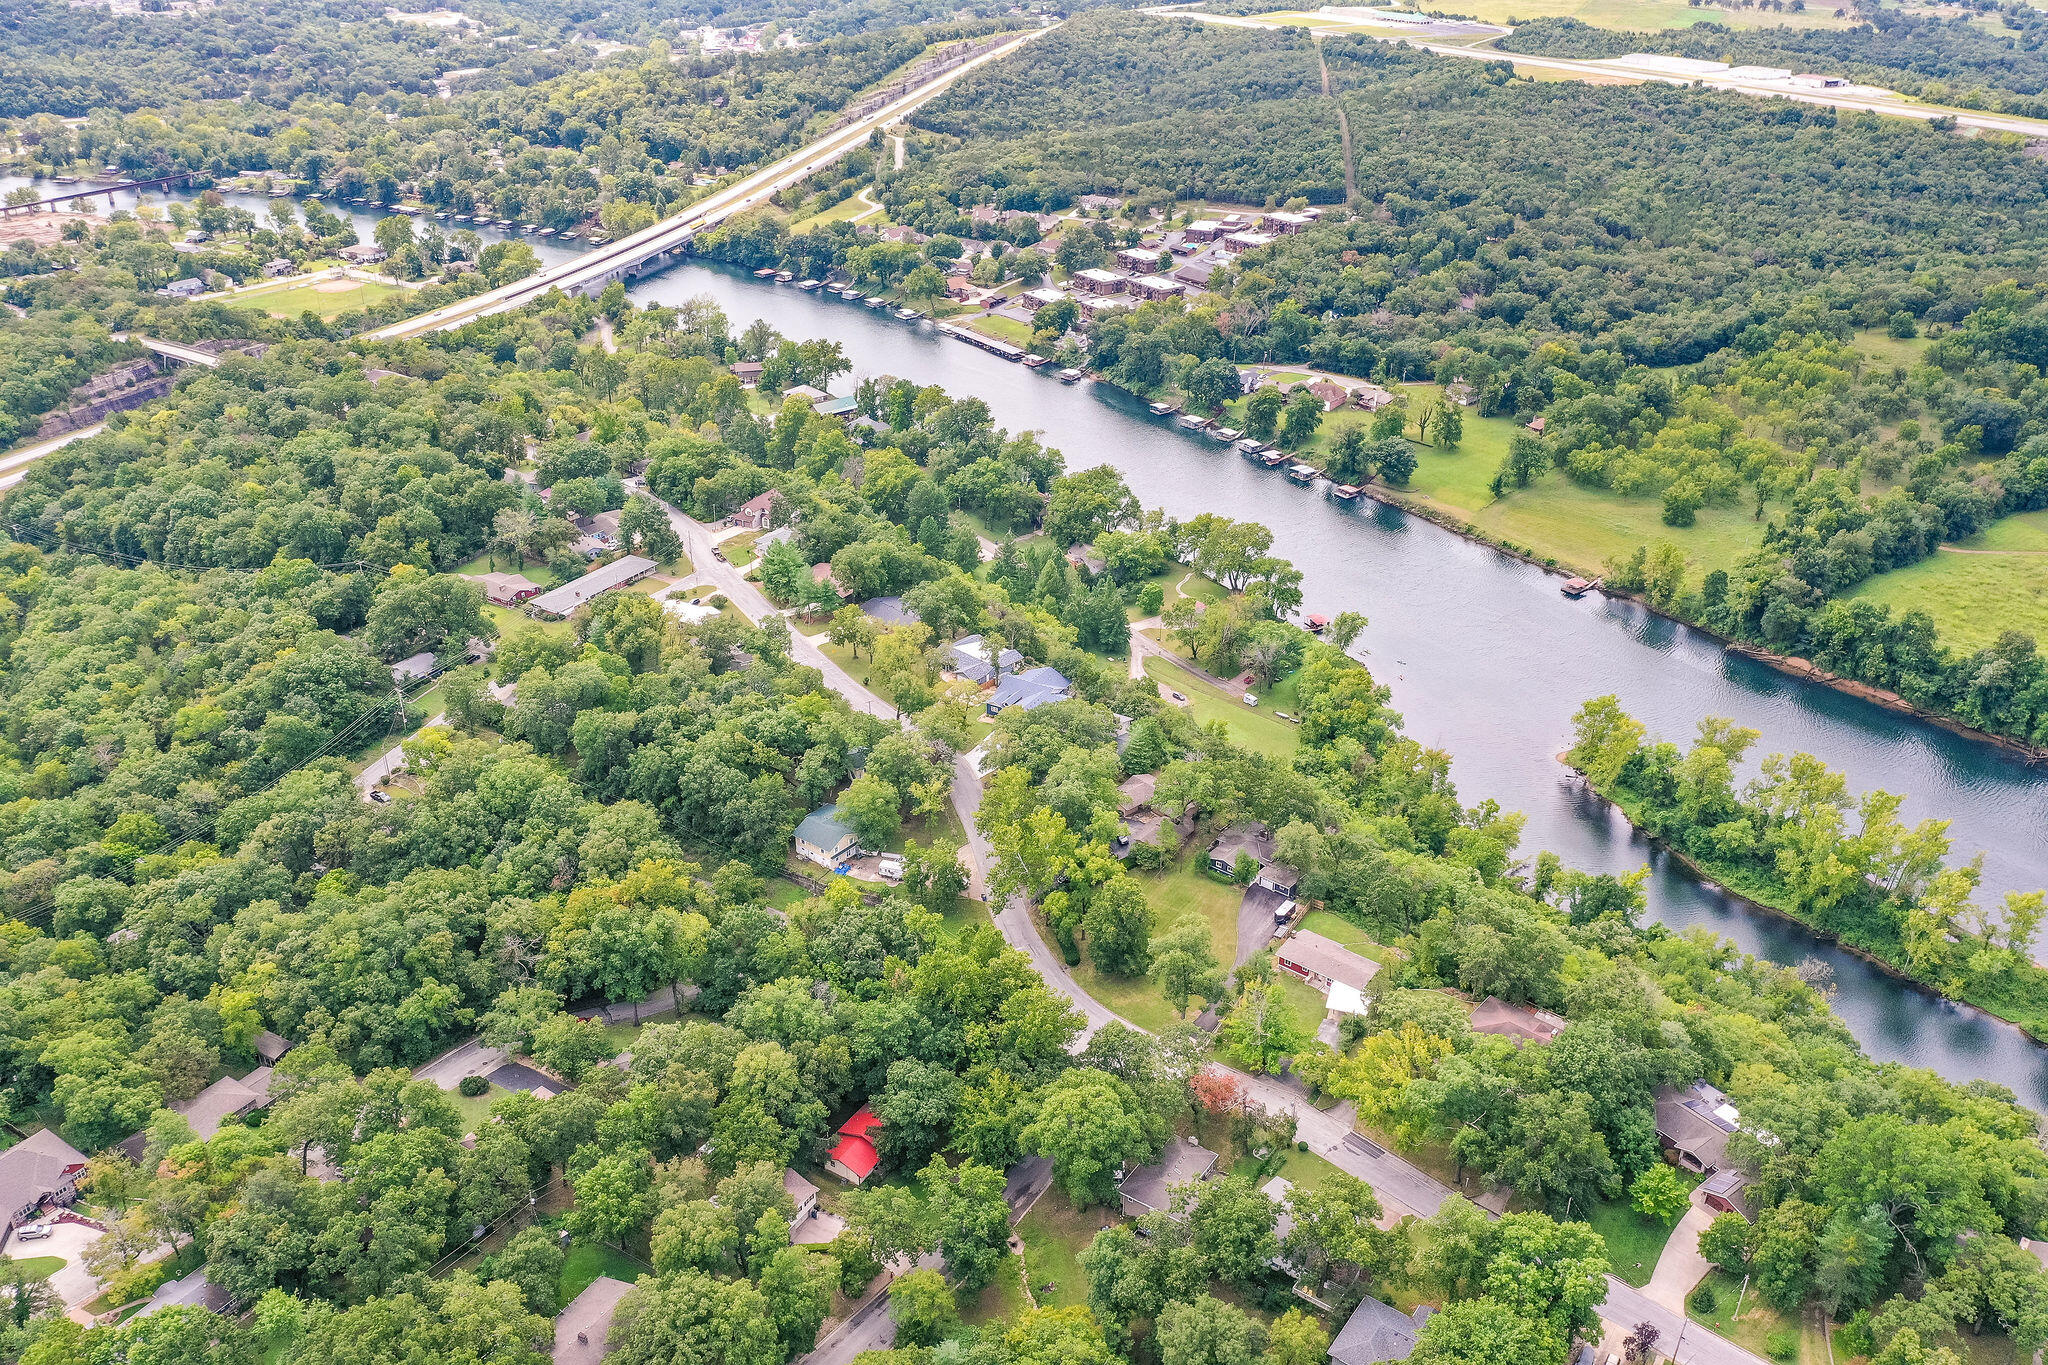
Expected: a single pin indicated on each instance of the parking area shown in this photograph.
(72, 1281)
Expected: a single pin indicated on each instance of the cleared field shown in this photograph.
(326, 298)
(1617, 14)
(1976, 597)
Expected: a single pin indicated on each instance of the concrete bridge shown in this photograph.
(38, 205)
(654, 249)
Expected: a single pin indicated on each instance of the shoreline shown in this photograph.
(1705, 878)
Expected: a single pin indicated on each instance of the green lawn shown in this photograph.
(1891, 350)
(327, 298)
(1182, 889)
(1633, 1242)
(1001, 1300)
(476, 1109)
(1974, 598)
(1303, 1170)
(1307, 1004)
(540, 575)
(845, 210)
(1253, 728)
(588, 1262)
(1340, 930)
(1003, 329)
(1055, 1234)
(1761, 1328)
(739, 551)
(38, 1267)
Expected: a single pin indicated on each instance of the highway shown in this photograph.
(594, 269)
(1856, 99)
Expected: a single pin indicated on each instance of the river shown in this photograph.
(1488, 660)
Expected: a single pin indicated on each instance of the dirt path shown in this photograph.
(1959, 550)
(1343, 128)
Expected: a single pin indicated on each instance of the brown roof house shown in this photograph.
(1334, 396)
(1696, 1123)
(41, 1168)
(1255, 841)
(1376, 1333)
(1518, 1023)
(1324, 963)
(757, 512)
(581, 1330)
(1149, 1189)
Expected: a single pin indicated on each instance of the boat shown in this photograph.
(1032, 362)
(908, 315)
(808, 286)
(1252, 445)
(460, 217)
(1273, 459)
(1072, 376)
(1318, 624)
(598, 239)
(569, 237)
(766, 272)
(1193, 423)
(1579, 587)
(1225, 434)
(1346, 491)
(1164, 408)
(1303, 474)
(547, 232)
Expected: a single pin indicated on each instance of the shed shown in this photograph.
(854, 1158)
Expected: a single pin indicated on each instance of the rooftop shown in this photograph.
(1377, 1332)
(583, 1326)
(1327, 958)
(33, 1168)
(573, 594)
(1181, 1163)
(823, 828)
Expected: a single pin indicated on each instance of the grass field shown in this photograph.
(1619, 14)
(1055, 1234)
(476, 1109)
(326, 298)
(1974, 598)
(1633, 1242)
(1000, 1300)
(1775, 1336)
(1183, 889)
(1255, 729)
(1340, 930)
(588, 1261)
(37, 1267)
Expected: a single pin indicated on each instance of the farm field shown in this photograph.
(326, 298)
(1995, 582)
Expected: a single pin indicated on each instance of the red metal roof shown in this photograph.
(861, 1124)
(854, 1151)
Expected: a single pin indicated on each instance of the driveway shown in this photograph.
(1681, 1266)
(517, 1076)
(391, 762)
(469, 1058)
(194, 1289)
(1255, 923)
(72, 1282)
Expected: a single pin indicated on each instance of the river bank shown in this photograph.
(2024, 1006)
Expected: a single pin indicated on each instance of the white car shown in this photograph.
(32, 1232)
(1250, 700)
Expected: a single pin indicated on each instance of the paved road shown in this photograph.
(14, 463)
(755, 606)
(1896, 105)
(469, 1058)
(391, 762)
(591, 267)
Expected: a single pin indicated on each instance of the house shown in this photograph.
(1029, 690)
(377, 377)
(842, 408)
(581, 1330)
(363, 253)
(1333, 396)
(40, 1169)
(769, 539)
(1728, 1192)
(2040, 1250)
(1256, 841)
(756, 512)
(1096, 280)
(1377, 1332)
(1195, 274)
(748, 372)
(1095, 203)
(1202, 230)
(802, 1193)
(890, 611)
(1149, 1189)
(970, 657)
(573, 594)
(900, 233)
(1157, 287)
(1237, 243)
(272, 269)
(1031, 300)
(1518, 1023)
(824, 838)
(1371, 397)
(1135, 793)
(1140, 260)
(1696, 1123)
(959, 285)
(269, 1047)
(1324, 963)
(854, 1158)
(1285, 224)
(821, 576)
(1461, 393)
(805, 392)
(183, 289)
(1535, 424)
(413, 668)
(507, 589)
(602, 527)
(209, 1111)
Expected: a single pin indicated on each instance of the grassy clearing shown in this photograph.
(1760, 1328)
(1633, 1242)
(588, 1262)
(1974, 598)
(1055, 1234)
(1000, 1300)
(1255, 729)
(476, 1109)
(322, 298)
(1891, 350)
(1303, 1001)
(540, 575)
(1003, 329)
(38, 1267)
(845, 210)
(1340, 930)
(739, 551)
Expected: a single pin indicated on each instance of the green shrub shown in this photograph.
(472, 1086)
(1782, 1344)
(1703, 1301)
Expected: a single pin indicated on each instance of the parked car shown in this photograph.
(31, 1232)
(1283, 912)
(381, 798)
